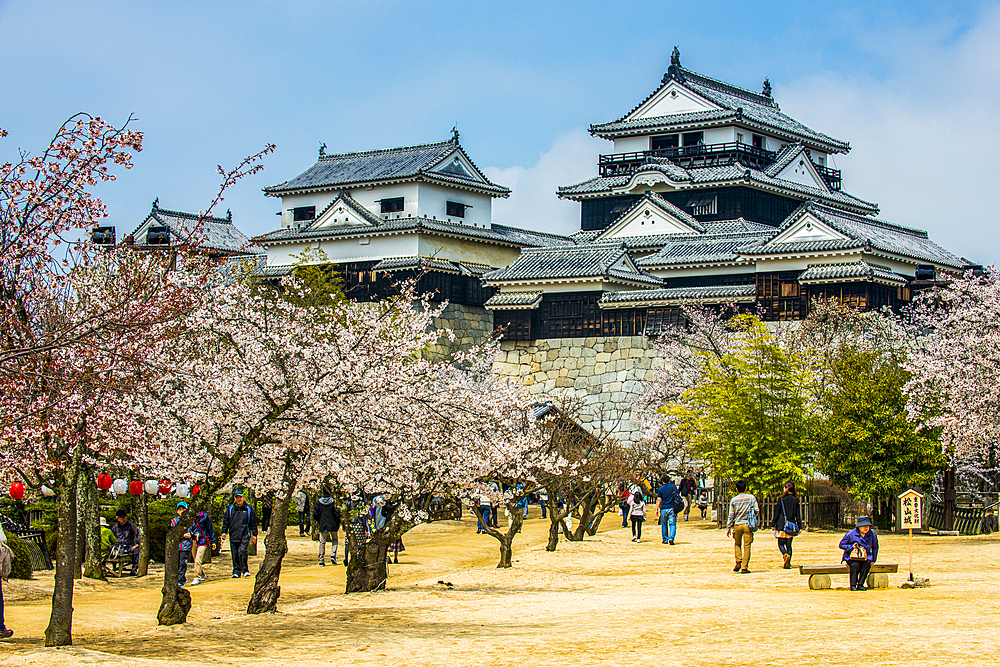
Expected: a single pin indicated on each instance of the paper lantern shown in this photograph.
(17, 490)
(120, 486)
(135, 488)
(104, 482)
(164, 486)
(196, 489)
(182, 490)
(47, 492)
(152, 487)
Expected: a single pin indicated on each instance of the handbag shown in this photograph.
(678, 504)
(858, 552)
(791, 528)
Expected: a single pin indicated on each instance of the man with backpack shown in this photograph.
(687, 489)
(327, 518)
(240, 523)
(744, 517)
(667, 503)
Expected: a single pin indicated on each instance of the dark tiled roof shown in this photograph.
(514, 300)
(388, 164)
(415, 263)
(819, 273)
(212, 233)
(659, 202)
(667, 295)
(707, 248)
(865, 232)
(707, 176)
(275, 271)
(498, 233)
(594, 260)
(738, 102)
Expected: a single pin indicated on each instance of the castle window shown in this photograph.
(663, 141)
(391, 205)
(694, 138)
(454, 209)
(758, 142)
(303, 213)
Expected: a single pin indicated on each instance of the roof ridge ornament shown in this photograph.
(766, 91)
(674, 71)
(454, 134)
(322, 149)
(156, 204)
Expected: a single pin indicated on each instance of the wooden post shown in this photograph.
(911, 554)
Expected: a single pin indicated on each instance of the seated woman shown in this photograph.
(860, 547)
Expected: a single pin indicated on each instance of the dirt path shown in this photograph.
(603, 601)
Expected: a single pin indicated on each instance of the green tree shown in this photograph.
(749, 412)
(866, 443)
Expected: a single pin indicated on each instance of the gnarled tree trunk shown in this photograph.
(176, 601)
(557, 519)
(266, 590)
(87, 509)
(506, 540)
(60, 629)
(142, 518)
(368, 567)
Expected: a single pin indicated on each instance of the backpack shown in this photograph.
(753, 522)
(6, 558)
(678, 503)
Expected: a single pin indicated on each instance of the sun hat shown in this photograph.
(182, 504)
(237, 492)
(863, 521)
(104, 522)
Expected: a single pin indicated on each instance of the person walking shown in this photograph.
(702, 502)
(184, 547)
(327, 518)
(666, 501)
(203, 534)
(743, 516)
(687, 490)
(860, 546)
(623, 496)
(302, 506)
(787, 522)
(637, 514)
(128, 537)
(266, 506)
(6, 556)
(240, 523)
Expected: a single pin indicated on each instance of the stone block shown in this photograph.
(599, 368)
(636, 353)
(589, 342)
(880, 580)
(587, 352)
(610, 345)
(603, 356)
(552, 355)
(552, 374)
(615, 386)
(564, 382)
(819, 582)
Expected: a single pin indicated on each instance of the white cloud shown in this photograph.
(925, 138)
(533, 203)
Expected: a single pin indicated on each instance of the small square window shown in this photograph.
(392, 205)
(302, 213)
(456, 210)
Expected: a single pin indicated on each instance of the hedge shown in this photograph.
(20, 568)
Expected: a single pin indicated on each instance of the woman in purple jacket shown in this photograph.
(864, 537)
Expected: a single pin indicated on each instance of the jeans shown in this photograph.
(239, 549)
(544, 508)
(134, 555)
(668, 524)
(637, 526)
(182, 567)
(303, 522)
(743, 535)
(859, 572)
(331, 537)
(485, 510)
(2, 626)
(625, 510)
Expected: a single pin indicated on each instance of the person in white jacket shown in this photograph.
(5, 632)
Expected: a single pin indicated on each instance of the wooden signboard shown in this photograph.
(911, 504)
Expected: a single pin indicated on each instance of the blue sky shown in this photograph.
(914, 86)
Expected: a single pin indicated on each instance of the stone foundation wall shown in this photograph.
(471, 325)
(605, 374)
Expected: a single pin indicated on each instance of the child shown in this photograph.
(703, 502)
(637, 513)
(860, 547)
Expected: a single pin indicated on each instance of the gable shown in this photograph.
(808, 228)
(672, 99)
(646, 219)
(456, 164)
(339, 214)
(801, 171)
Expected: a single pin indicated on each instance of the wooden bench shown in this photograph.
(819, 575)
(115, 562)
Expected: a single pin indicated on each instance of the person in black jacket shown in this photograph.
(327, 518)
(240, 523)
(686, 490)
(787, 511)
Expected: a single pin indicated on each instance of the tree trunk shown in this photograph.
(142, 517)
(506, 539)
(176, 601)
(60, 629)
(81, 532)
(368, 567)
(90, 523)
(557, 517)
(950, 496)
(266, 590)
(595, 523)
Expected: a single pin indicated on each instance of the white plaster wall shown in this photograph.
(431, 203)
(702, 271)
(349, 249)
(632, 144)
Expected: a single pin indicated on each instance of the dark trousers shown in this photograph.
(785, 546)
(303, 522)
(485, 510)
(265, 519)
(239, 549)
(637, 526)
(2, 626)
(859, 571)
(625, 510)
(182, 567)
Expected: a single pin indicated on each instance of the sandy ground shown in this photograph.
(605, 601)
